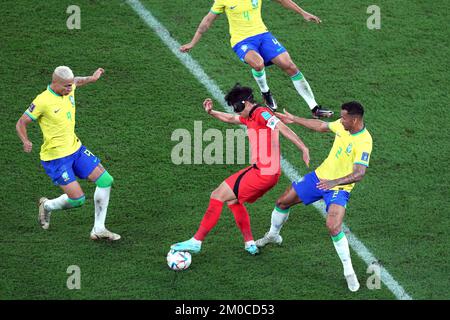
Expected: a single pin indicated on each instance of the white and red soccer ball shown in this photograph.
(178, 260)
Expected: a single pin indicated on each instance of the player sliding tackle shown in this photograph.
(63, 156)
(250, 183)
(332, 181)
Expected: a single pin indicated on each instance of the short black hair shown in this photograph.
(353, 108)
(238, 94)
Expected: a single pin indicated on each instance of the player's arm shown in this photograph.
(81, 81)
(358, 173)
(202, 28)
(291, 5)
(222, 116)
(21, 128)
(295, 139)
(313, 124)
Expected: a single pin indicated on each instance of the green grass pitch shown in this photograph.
(400, 211)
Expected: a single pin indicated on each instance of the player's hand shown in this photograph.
(306, 156)
(97, 74)
(208, 105)
(27, 146)
(310, 17)
(286, 117)
(324, 184)
(186, 47)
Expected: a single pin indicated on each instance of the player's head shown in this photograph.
(352, 114)
(62, 80)
(240, 98)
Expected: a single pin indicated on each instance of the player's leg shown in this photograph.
(220, 195)
(242, 219)
(103, 181)
(87, 166)
(280, 214)
(304, 191)
(72, 197)
(335, 217)
(61, 173)
(285, 62)
(251, 186)
(254, 59)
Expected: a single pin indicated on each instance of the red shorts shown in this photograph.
(249, 184)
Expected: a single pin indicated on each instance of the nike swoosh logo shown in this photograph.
(231, 8)
(57, 110)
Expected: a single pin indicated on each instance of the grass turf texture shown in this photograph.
(400, 210)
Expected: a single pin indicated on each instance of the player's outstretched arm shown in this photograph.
(202, 28)
(313, 124)
(222, 116)
(290, 135)
(358, 173)
(21, 128)
(81, 81)
(289, 4)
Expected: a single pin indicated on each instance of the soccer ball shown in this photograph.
(179, 260)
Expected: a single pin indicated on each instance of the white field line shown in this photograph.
(288, 169)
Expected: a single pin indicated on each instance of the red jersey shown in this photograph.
(264, 139)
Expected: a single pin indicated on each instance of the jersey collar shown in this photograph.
(50, 89)
(359, 132)
(254, 109)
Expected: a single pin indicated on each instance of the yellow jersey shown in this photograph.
(348, 149)
(56, 117)
(244, 18)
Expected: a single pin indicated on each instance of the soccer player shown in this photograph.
(62, 155)
(248, 184)
(332, 181)
(257, 47)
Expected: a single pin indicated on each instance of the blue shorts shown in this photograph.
(79, 164)
(308, 192)
(265, 44)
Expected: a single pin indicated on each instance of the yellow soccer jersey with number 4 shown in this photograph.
(56, 117)
(348, 149)
(244, 18)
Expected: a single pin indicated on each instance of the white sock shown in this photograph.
(304, 90)
(341, 245)
(57, 203)
(101, 200)
(279, 217)
(260, 77)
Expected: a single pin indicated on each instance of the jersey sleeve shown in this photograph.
(218, 7)
(363, 152)
(268, 119)
(243, 120)
(335, 126)
(35, 110)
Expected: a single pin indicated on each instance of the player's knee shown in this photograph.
(216, 194)
(258, 65)
(105, 180)
(291, 69)
(281, 204)
(78, 202)
(232, 202)
(334, 227)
